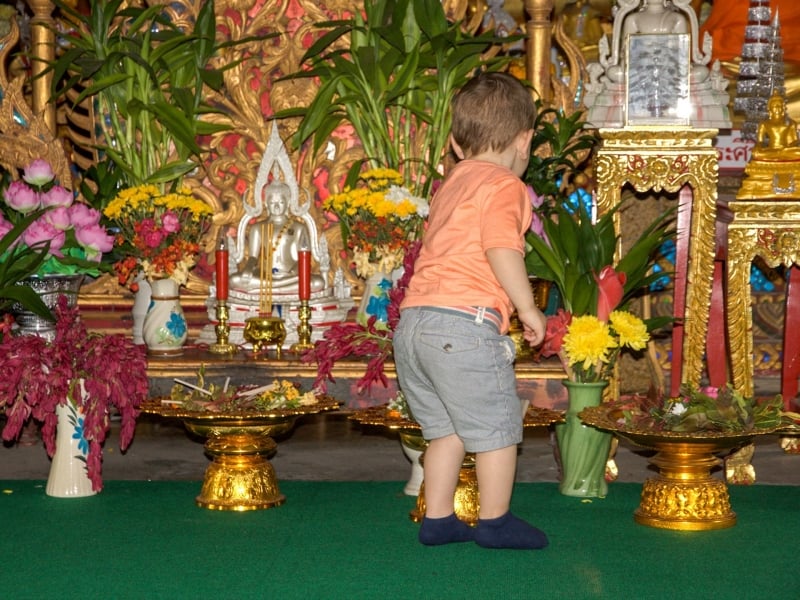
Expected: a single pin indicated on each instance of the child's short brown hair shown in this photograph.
(490, 111)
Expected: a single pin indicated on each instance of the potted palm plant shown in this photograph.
(391, 74)
(145, 76)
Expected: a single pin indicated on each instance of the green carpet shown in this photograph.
(147, 540)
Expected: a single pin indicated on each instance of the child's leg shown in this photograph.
(497, 527)
(495, 471)
(442, 462)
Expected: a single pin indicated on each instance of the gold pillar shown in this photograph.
(769, 229)
(662, 159)
(537, 53)
(43, 51)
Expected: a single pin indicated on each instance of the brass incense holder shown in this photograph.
(264, 331)
(303, 328)
(223, 330)
(466, 500)
(684, 496)
(240, 476)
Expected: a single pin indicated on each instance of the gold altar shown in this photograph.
(671, 160)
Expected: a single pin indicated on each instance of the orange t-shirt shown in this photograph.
(727, 21)
(480, 206)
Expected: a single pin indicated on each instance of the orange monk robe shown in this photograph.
(728, 19)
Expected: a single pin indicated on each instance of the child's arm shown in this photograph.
(508, 267)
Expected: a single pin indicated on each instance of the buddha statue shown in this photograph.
(277, 225)
(774, 165)
(776, 138)
(606, 89)
(289, 235)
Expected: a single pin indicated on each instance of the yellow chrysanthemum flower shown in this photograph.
(630, 329)
(588, 341)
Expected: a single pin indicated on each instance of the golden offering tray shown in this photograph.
(466, 497)
(684, 496)
(240, 477)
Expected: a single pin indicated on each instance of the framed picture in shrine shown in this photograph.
(657, 80)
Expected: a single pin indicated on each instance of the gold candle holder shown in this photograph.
(303, 328)
(223, 330)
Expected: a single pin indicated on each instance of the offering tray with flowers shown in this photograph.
(238, 425)
(687, 433)
(395, 416)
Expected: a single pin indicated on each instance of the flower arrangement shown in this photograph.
(379, 220)
(703, 409)
(279, 394)
(159, 234)
(37, 375)
(588, 346)
(67, 232)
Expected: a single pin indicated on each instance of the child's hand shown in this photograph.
(534, 325)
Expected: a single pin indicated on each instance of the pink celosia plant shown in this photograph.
(37, 375)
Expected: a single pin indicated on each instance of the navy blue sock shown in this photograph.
(445, 530)
(509, 531)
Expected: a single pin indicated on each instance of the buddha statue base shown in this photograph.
(326, 310)
(770, 179)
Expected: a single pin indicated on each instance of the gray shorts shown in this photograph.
(458, 377)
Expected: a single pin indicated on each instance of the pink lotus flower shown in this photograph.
(610, 290)
(40, 231)
(95, 240)
(22, 198)
(5, 226)
(58, 218)
(82, 215)
(38, 173)
(57, 196)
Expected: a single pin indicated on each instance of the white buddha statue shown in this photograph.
(276, 207)
(289, 235)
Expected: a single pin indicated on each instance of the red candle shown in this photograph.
(304, 273)
(221, 256)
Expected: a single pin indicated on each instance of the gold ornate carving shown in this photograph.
(766, 229)
(24, 133)
(684, 501)
(666, 160)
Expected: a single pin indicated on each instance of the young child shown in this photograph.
(454, 359)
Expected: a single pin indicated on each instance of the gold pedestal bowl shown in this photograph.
(240, 476)
(466, 501)
(683, 496)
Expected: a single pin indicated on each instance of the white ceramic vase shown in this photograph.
(164, 329)
(375, 299)
(68, 477)
(141, 302)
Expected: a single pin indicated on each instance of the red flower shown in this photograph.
(557, 325)
(610, 290)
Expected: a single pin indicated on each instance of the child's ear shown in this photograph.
(522, 143)
(456, 148)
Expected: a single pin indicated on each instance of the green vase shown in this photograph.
(583, 449)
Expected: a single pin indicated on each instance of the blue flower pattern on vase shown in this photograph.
(78, 432)
(176, 325)
(379, 300)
